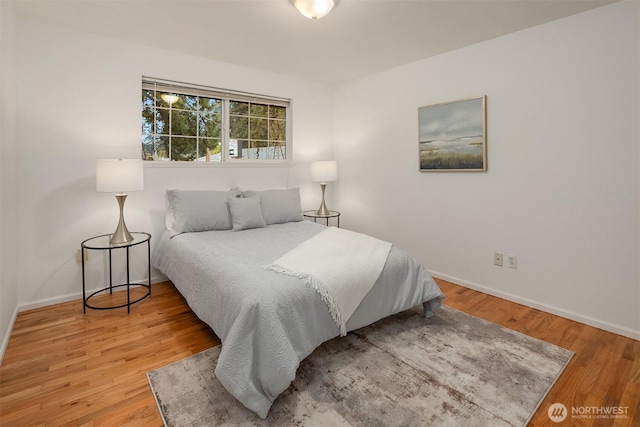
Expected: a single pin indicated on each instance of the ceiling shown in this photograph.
(359, 37)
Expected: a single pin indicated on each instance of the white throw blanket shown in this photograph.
(341, 265)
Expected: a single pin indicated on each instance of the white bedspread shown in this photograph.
(341, 265)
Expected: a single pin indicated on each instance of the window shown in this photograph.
(188, 123)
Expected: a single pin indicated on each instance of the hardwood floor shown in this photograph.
(63, 368)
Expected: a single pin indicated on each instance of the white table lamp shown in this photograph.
(119, 176)
(323, 172)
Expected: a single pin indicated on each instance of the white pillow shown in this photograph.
(198, 210)
(279, 206)
(246, 213)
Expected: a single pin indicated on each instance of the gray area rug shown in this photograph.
(451, 370)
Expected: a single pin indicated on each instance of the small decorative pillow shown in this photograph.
(246, 213)
(198, 210)
(279, 206)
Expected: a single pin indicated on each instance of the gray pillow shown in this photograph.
(279, 206)
(246, 213)
(198, 210)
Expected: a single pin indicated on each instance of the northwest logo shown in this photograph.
(557, 412)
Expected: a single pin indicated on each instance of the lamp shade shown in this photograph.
(324, 171)
(314, 9)
(119, 175)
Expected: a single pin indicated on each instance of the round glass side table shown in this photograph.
(101, 243)
(314, 214)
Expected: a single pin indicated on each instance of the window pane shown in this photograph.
(162, 100)
(147, 98)
(259, 110)
(277, 112)
(239, 108)
(210, 105)
(258, 150)
(183, 149)
(147, 120)
(162, 146)
(239, 127)
(247, 151)
(210, 125)
(214, 145)
(279, 150)
(259, 128)
(183, 122)
(190, 102)
(162, 121)
(147, 146)
(277, 130)
(237, 148)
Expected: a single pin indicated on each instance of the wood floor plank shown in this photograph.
(65, 368)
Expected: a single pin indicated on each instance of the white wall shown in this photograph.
(8, 188)
(80, 101)
(562, 188)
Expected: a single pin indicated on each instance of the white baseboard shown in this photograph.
(76, 295)
(600, 324)
(7, 335)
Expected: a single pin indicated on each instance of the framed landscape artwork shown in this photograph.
(453, 136)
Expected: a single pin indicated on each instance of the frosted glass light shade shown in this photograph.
(324, 171)
(119, 175)
(169, 98)
(314, 9)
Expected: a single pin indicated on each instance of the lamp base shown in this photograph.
(121, 235)
(323, 211)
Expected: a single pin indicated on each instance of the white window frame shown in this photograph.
(226, 96)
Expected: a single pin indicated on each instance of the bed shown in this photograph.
(268, 322)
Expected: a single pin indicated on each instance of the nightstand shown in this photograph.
(314, 214)
(101, 243)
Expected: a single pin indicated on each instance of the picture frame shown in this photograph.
(453, 136)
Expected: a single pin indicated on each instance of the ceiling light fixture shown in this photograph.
(169, 98)
(314, 9)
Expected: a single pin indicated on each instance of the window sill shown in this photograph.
(227, 164)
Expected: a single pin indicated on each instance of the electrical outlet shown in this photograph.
(79, 255)
(512, 261)
(497, 259)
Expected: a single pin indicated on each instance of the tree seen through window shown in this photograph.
(187, 127)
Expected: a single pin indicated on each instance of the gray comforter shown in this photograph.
(269, 322)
